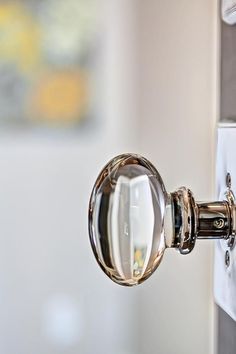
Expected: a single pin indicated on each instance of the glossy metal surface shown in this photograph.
(126, 219)
(132, 219)
(214, 220)
(231, 201)
(185, 220)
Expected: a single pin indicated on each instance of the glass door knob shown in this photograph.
(132, 219)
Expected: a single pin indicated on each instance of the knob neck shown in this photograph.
(214, 220)
(193, 220)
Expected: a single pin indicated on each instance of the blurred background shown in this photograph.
(81, 81)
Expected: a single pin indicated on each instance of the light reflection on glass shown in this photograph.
(127, 219)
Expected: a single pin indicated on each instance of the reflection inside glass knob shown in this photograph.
(132, 219)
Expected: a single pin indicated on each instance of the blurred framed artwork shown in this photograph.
(47, 51)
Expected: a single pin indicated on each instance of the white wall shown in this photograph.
(177, 117)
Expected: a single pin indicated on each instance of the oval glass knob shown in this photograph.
(132, 219)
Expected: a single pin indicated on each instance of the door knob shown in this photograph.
(132, 219)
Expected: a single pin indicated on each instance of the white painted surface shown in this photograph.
(228, 11)
(225, 277)
(178, 117)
